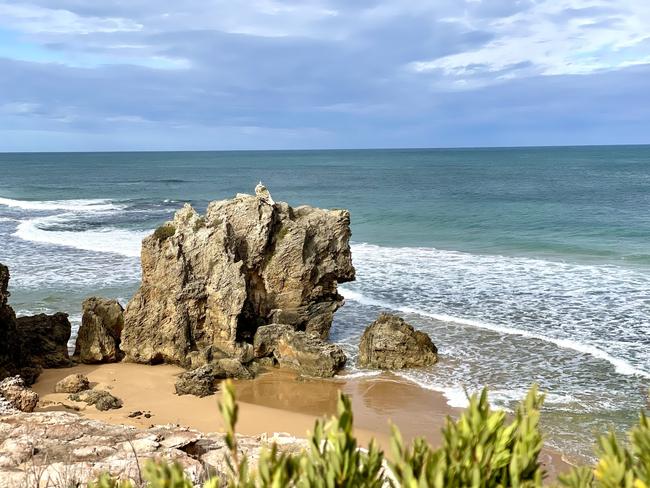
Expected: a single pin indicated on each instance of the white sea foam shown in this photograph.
(68, 205)
(106, 240)
(621, 366)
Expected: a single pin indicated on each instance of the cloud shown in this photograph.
(320, 73)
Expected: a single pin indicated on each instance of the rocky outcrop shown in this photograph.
(301, 351)
(98, 340)
(73, 383)
(209, 282)
(61, 448)
(17, 395)
(309, 355)
(391, 343)
(28, 344)
(44, 339)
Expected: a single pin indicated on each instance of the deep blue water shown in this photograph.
(525, 264)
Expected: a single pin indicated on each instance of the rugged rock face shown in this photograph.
(100, 332)
(11, 358)
(73, 383)
(44, 339)
(391, 343)
(208, 283)
(28, 344)
(64, 449)
(309, 355)
(17, 395)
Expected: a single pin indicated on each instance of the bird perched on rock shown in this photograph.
(263, 194)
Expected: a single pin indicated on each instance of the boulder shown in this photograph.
(44, 339)
(267, 337)
(20, 397)
(390, 343)
(201, 381)
(100, 333)
(309, 355)
(211, 281)
(73, 383)
(12, 359)
(101, 399)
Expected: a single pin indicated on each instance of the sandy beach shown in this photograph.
(276, 401)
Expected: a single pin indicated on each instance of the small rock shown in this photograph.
(147, 415)
(73, 383)
(390, 343)
(14, 391)
(135, 414)
(201, 381)
(102, 400)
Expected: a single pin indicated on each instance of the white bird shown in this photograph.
(263, 194)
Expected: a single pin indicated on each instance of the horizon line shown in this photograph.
(414, 148)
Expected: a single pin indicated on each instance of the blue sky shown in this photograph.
(275, 74)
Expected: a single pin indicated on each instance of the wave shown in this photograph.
(621, 366)
(67, 205)
(106, 240)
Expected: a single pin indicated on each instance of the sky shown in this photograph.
(80, 75)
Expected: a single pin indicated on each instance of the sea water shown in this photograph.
(524, 265)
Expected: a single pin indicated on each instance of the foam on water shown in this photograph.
(558, 303)
(104, 240)
(69, 205)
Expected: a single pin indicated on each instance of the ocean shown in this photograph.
(524, 265)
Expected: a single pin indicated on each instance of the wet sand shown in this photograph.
(276, 401)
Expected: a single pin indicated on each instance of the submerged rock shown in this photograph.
(44, 339)
(100, 333)
(73, 383)
(20, 397)
(209, 283)
(101, 399)
(390, 343)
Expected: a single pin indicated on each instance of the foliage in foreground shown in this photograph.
(480, 449)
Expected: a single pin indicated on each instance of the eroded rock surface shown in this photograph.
(209, 282)
(17, 395)
(44, 339)
(56, 446)
(100, 333)
(73, 383)
(390, 343)
(101, 399)
(201, 381)
(28, 344)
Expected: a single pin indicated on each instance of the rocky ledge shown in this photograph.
(65, 449)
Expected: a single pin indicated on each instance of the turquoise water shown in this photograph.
(523, 264)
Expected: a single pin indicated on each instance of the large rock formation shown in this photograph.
(209, 282)
(100, 333)
(390, 343)
(11, 358)
(44, 339)
(64, 449)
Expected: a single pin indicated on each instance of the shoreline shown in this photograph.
(275, 401)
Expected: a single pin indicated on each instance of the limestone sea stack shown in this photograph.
(390, 343)
(100, 333)
(209, 282)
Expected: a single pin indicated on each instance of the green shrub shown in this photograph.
(164, 232)
(480, 449)
(199, 224)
